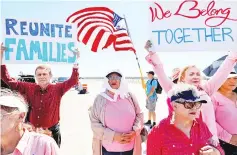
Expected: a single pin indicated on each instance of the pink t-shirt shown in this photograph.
(33, 143)
(119, 117)
(226, 116)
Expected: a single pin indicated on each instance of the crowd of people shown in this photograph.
(201, 121)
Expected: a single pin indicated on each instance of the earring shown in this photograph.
(19, 127)
(172, 118)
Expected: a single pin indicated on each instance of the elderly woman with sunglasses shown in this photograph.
(15, 139)
(192, 75)
(116, 119)
(182, 133)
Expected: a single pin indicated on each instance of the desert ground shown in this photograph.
(75, 124)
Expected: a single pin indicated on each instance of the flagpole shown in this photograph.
(142, 78)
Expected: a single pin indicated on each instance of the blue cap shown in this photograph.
(187, 95)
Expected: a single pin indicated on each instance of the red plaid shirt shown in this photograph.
(166, 139)
(45, 105)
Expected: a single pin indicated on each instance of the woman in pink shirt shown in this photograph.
(15, 140)
(182, 133)
(116, 119)
(192, 75)
(225, 104)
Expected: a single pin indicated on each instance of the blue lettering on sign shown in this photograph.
(14, 27)
(21, 49)
(38, 49)
(45, 52)
(8, 42)
(63, 59)
(10, 23)
(35, 48)
(192, 35)
(73, 58)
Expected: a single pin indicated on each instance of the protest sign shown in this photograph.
(38, 41)
(191, 25)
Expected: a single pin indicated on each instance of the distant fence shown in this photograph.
(134, 80)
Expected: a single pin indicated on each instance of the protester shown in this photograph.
(225, 104)
(192, 75)
(15, 140)
(43, 97)
(116, 119)
(80, 88)
(151, 99)
(182, 133)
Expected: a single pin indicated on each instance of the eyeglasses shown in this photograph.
(190, 105)
(114, 78)
(2, 115)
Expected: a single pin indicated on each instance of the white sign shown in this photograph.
(191, 25)
(38, 41)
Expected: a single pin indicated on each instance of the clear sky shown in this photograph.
(97, 64)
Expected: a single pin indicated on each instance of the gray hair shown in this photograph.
(8, 96)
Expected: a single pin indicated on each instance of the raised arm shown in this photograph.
(153, 59)
(208, 116)
(11, 82)
(163, 79)
(212, 85)
(100, 132)
(73, 80)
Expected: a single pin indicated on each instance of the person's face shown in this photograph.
(150, 76)
(114, 81)
(230, 84)
(192, 76)
(9, 121)
(188, 111)
(43, 77)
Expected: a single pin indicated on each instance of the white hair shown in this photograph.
(13, 98)
(180, 87)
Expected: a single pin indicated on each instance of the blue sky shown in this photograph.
(97, 64)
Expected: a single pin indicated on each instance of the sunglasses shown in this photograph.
(190, 105)
(114, 78)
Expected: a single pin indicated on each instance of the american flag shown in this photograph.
(100, 27)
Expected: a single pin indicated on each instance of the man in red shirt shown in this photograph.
(43, 98)
(182, 133)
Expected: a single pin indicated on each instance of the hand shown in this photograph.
(124, 138)
(42, 131)
(77, 53)
(148, 45)
(118, 137)
(76, 65)
(209, 150)
(3, 49)
(129, 136)
(233, 140)
(29, 127)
